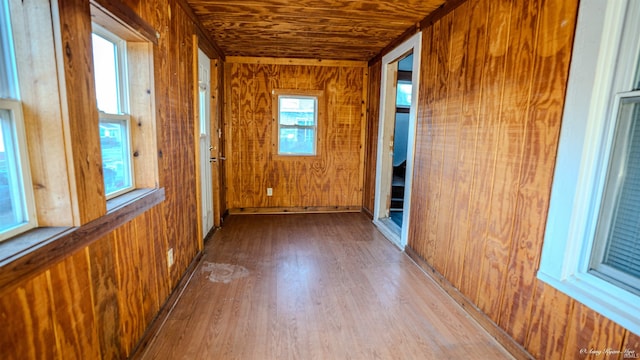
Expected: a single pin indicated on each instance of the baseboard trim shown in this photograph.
(367, 212)
(294, 210)
(516, 349)
(166, 309)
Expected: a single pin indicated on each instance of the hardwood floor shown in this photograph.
(317, 286)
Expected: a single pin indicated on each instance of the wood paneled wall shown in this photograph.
(330, 180)
(493, 79)
(373, 121)
(98, 301)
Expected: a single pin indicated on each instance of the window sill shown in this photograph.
(28, 254)
(126, 199)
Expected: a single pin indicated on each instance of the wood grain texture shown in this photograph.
(178, 159)
(98, 290)
(371, 140)
(27, 316)
(79, 109)
(40, 96)
(293, 61)
(104, 275)
(321, 286)
(493, 78)
(216, 140)
(590, 331)
(552, 52)
(549, 318)
(517, 350)
(486, 150)
(144, 138)
(209, 46)
(128, 18)
(292, 210)
(312, 29)
(75, 324)
(332, 178)
(45, 251)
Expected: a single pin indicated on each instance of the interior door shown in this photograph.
(204, 105)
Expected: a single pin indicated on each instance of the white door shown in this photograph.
(204, 82)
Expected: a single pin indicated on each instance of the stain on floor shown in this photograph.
(224, 273)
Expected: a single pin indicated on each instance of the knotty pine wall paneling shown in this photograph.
(330, 180)
(98, 301)
(493, 80)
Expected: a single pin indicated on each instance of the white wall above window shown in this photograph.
(604, 59)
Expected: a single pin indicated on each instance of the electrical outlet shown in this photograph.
(269, 191)
(170, 257)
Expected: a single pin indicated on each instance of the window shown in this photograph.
(616, 252)
(297, 117)
(17, 209)
(591, 250)
(109, 57)
(403, 95)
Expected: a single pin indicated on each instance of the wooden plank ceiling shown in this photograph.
(317, 29)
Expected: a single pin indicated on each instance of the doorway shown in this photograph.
(396, 140)
(204, 109)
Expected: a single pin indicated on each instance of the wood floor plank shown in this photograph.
(316, 286)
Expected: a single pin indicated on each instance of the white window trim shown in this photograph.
(579, 175)
(122, 70)
(15, 107)
(7, 55)
(105, 117)
(313, 127)
(123, 101)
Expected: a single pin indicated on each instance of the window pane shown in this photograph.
(116, 159)
(403, 94)
(297, 125)
(12, 202)
(8, 83)
(619, 224)
(297, 141)
(297, 111)
(637, 82)
(105, 55)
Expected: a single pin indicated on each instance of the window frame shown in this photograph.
(610, 195)
(318, 95)
(122, 83)
(7, 55)
(51, 111)
(600, 71)
(10, 101)
(126, 118)
(122, 89)
(15, 109)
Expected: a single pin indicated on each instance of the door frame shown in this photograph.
(204, 161)
(384, 159)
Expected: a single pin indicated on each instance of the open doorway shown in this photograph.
(400, 138)
(396, 140)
